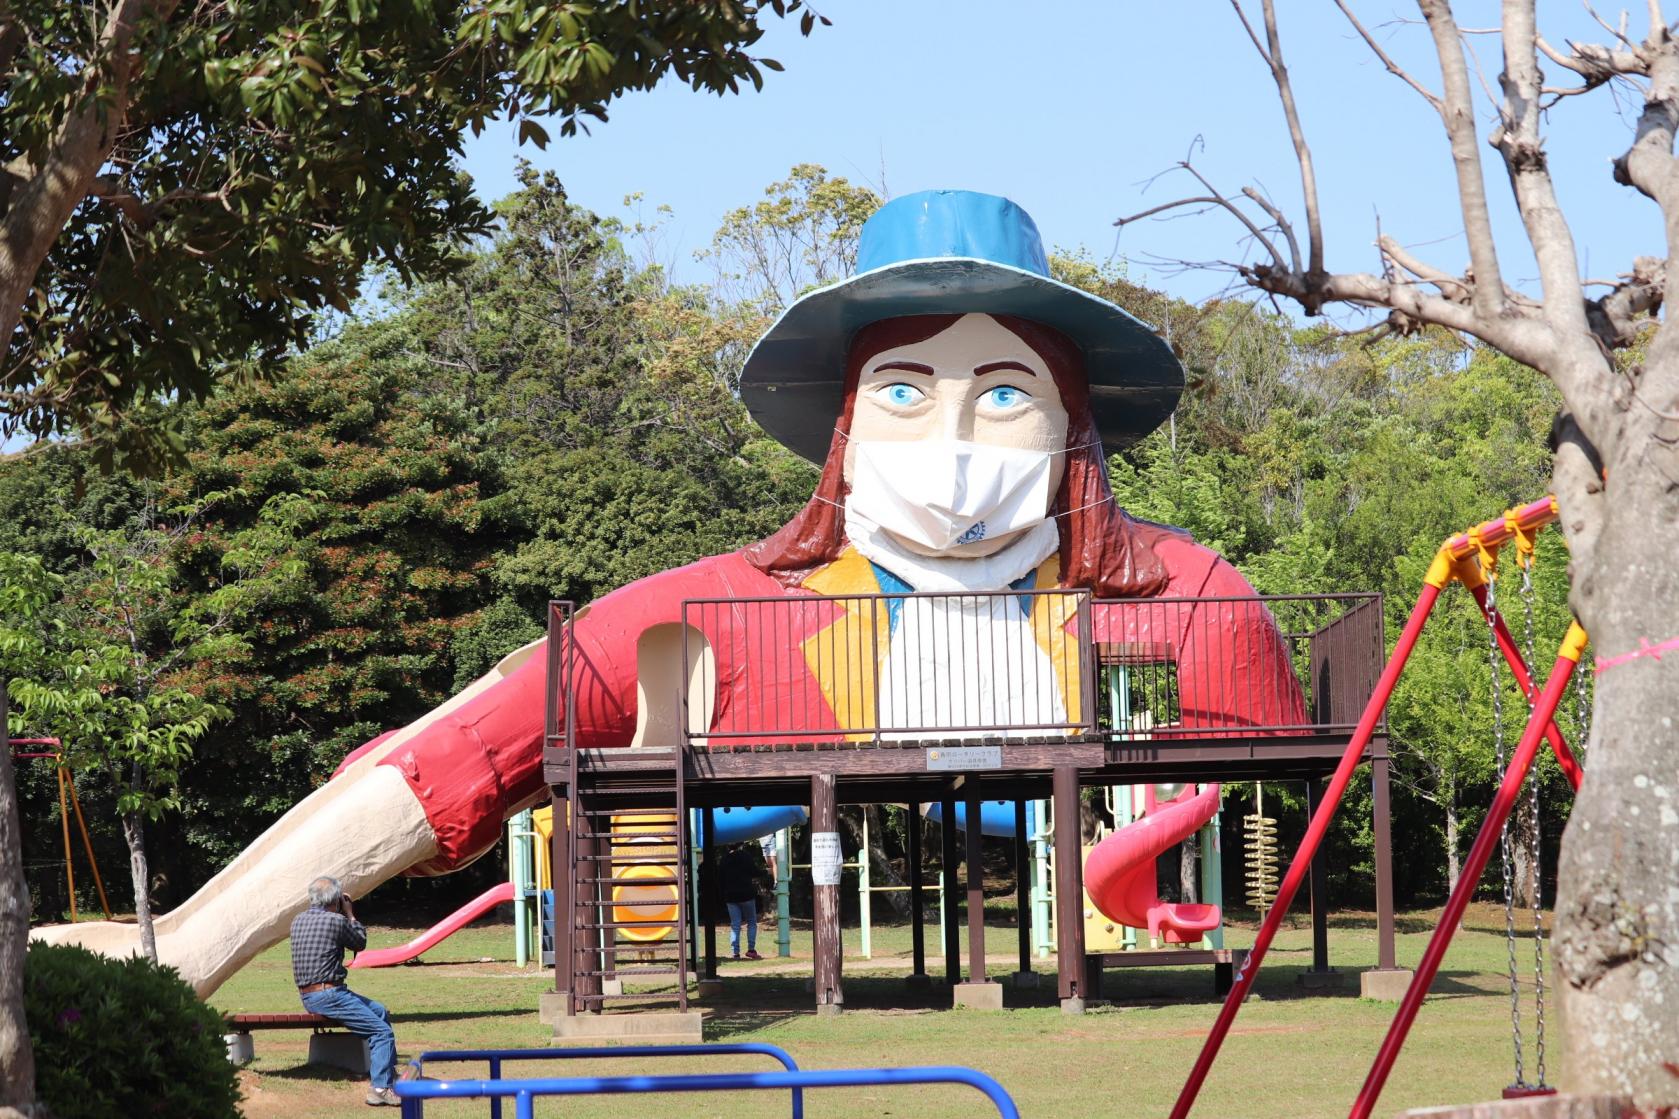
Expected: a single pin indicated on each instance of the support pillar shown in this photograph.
(1387, 980)
(708, 900)
(555, 1004)
(975, 874)
(825, 924)
(1320, 974)
(1023, 976)
(1069, 892)
(947, 855)
(917, 901)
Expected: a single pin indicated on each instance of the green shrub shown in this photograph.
(123, 1037)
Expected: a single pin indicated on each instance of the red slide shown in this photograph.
(453, 923)
(1120, 873)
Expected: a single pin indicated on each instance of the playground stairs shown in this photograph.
(628, 888)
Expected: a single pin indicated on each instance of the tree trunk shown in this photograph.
(17, 1059)
(1454, 860)
(1617, 921)
(133, 830)
(1189, 871)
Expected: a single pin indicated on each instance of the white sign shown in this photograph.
(825, 858)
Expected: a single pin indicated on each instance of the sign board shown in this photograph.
(825, 858)
(965, 758)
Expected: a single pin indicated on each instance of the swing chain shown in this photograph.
(1525, 557)
(1489, 567)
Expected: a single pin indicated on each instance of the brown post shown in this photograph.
(976, 883)
(1320, 887)
(947, 856)
(1023, 886)
(586, 942)
(917, 900)
(825, 924)
(1069, 890)
(559, 866)
(1383, 827)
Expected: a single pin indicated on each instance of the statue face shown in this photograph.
(976, 382)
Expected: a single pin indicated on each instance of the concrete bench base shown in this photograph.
(339, 1050)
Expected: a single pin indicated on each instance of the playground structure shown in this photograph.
(1470, 559)
(1166, 718)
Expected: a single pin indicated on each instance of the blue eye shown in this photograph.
(902, 394)
(1004, 397)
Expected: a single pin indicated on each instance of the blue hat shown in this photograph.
(952, 252)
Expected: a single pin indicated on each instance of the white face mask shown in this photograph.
(941, 493)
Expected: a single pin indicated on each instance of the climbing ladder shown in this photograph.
(612, 823)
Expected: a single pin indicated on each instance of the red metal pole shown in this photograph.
(1438, 575)
(1572, 647)
(1524, 679)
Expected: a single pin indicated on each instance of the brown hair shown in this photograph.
(1102, 547)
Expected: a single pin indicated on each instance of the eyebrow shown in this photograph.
(1000, 366)
(904, 367)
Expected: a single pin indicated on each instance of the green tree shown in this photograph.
(181, 184)
(110, 684)
(802, 235)
(26, 588)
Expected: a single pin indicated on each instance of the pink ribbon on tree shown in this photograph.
(1645, 649)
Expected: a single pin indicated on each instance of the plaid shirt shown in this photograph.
(318, 939)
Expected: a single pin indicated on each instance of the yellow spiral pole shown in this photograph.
(1261, 850)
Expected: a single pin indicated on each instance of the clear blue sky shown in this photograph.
(1069, 107)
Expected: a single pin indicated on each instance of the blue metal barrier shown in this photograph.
(495, 1057)
(524, 1092)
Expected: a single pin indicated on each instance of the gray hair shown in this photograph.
(325, 892)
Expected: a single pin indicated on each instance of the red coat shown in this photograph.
(473, 767)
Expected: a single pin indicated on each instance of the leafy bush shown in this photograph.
(123, 1037)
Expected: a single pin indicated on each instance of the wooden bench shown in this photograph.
(329, 1044)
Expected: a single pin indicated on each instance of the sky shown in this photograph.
(1074, 109)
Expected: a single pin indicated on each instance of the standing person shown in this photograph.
(319, 936)
(738, 876)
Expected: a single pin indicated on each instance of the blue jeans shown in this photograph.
(364, 1018)
(743, 913)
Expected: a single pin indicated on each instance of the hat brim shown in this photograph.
(793, 381)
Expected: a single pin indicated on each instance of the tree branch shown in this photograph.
(1393, 68)
(1459, 118)
(1272, 53)
(1517, 139)
(40, 208)
(1213, 198)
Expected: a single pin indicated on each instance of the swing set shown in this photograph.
(1470, 559)
(66, 800)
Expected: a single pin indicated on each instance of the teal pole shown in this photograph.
(1212, 878)
(783, 892)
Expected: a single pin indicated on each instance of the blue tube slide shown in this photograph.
(996, 817)
(737, 825)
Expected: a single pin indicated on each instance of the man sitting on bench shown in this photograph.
(319, 936)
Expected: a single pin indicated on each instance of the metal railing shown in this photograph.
(881, 667)
(414, 1093)
(1222, 666)
(1017, 665)
(495, 1057)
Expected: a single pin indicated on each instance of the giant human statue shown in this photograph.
(961, 403)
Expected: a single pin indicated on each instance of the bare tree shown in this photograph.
(1615, 359)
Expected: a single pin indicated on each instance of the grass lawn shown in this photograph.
(1289, 1055)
